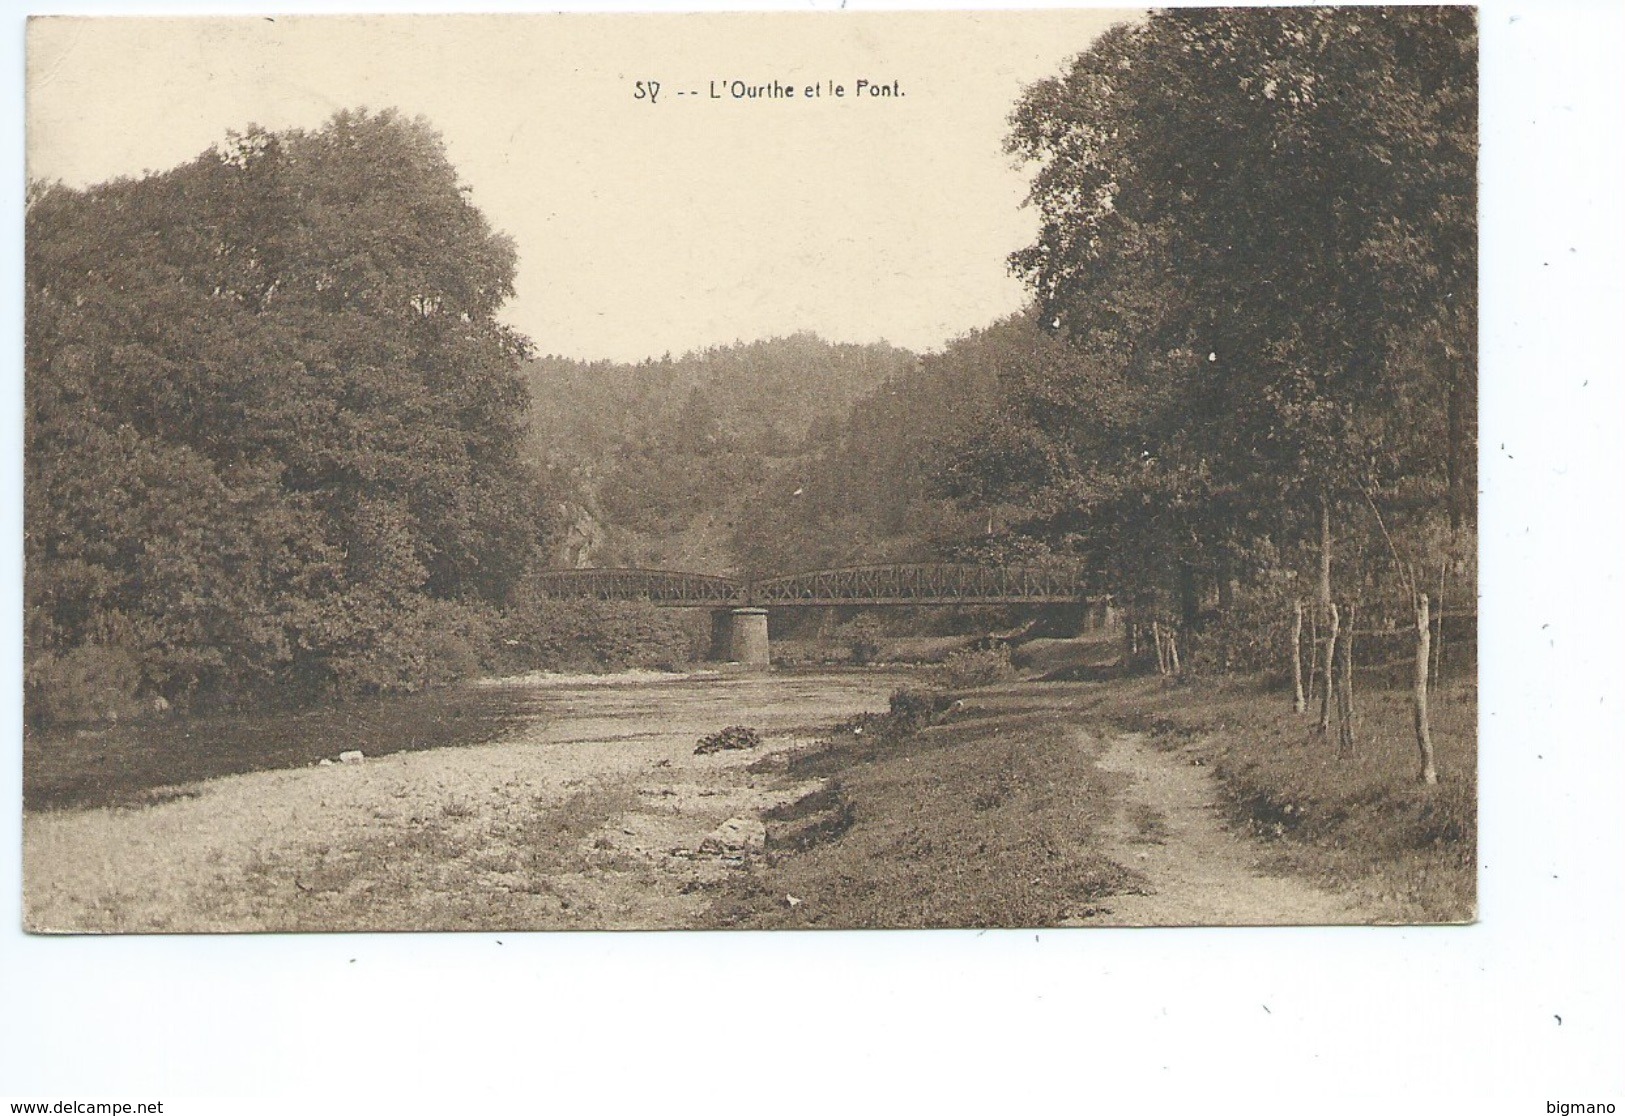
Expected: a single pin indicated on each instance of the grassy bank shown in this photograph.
(987, 820)
(1358, 823)
(993, 818)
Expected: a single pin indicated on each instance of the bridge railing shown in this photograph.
(903, 584)
(923, 583)
(657, 586)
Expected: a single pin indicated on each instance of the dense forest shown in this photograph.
(278, 443)
(663, 464)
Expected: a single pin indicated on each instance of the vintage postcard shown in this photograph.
(732, 471)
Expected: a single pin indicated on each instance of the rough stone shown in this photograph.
(735, 836)
(351, 757)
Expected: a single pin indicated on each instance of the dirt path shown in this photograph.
(1199, 872)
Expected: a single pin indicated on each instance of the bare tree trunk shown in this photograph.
(1438, 633)
(1298, 703)
(1330, 680)
(1424, 737)
(1314, 654)
(1325, 555)
(1173, 653)
(1345, 691)
(1323, 611)
(1162, 655)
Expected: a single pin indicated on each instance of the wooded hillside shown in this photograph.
(661, 463)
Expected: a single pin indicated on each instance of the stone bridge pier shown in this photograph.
(739, 635)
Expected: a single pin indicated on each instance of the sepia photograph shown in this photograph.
(1095, 526)
(751, 471)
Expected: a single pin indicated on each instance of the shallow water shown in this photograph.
(143, 762)
(772, 703)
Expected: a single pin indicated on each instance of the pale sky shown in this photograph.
(640, 228)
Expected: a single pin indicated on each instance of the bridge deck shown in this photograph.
(899, 585)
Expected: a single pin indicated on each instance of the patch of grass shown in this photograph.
(1150, 827)
(925, 845)
(987, 820)
(914, 709)
(550, 837)
(866, 737)
(810, 820)
(458, 809)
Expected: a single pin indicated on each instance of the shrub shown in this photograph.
(863, 639)
(535, 632)
(424, 644)
(914, 709)
(731, 739)
(966, 669)
(89, 683)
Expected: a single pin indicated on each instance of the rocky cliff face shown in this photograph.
(583, 541)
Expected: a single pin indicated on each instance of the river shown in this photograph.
(584, 810)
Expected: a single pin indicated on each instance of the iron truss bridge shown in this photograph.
(916, 584)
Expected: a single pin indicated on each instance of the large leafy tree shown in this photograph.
(271, 417)
(1262, 223)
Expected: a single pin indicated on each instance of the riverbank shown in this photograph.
(1135, 802)
(566, 806)
(581, 804)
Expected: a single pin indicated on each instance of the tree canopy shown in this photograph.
(1258, 230)
(273, 427)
